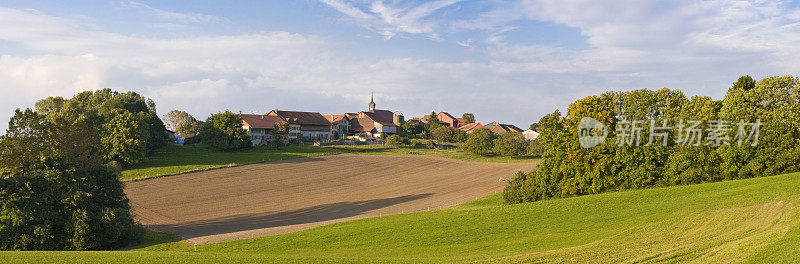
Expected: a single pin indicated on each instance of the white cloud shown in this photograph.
(173, 16)
(389, 20)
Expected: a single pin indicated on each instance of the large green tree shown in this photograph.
(55, 191)
(480, 141)
(468, 118)
(510, 144)
(182, 123)
(100, 108)
(224, 131)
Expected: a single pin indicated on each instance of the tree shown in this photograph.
(126, 140)
(433, 122)
(480, 141)
(280, 133)
(97, 109)
(223, 131)
(52, 200)
(182, 123)
(510, 144)
(443, 134)
(469, 118)
(460, 136)
(411, 129)
(394, 140)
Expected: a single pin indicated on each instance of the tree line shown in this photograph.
(568, 169)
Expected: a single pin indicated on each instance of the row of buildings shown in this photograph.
(364, 125)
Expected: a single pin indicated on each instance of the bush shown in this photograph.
(480, 141)
(422, 143)
(394, 140)
(443, 134)
(223, 131)
(510, 144)
(460, 136)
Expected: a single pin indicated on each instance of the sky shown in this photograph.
(506, 61)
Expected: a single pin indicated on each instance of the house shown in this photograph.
(340, 125)
(375, 122)
(470, 127)
(444, 118)
(502, 128)
(530, 135)
(304, 125)
(259, 127)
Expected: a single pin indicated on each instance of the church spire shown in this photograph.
(371, 101)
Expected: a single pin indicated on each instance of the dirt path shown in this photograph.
(287, 196)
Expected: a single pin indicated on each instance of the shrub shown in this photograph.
(480, 142)
(394, 140)
(510, 144)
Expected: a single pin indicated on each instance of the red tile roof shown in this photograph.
(470, 127)
(334, 118)
(259, 121)
(301, 118)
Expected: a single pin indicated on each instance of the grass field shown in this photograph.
(181, 159)
(744, 221)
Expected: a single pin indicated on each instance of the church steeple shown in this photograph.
(371, 102)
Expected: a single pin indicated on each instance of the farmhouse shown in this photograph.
(304, 125)
(470, 127)
(375, 122)
(444, 118)
(340, 125)
(259, 127)
(502, 128)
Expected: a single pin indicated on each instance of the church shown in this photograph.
(372, 123)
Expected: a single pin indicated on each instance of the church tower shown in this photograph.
(371, 103)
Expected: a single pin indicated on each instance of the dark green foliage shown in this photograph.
(223, 131)
(411, 129)
(55, 192)
(433, 122)
(567, 169)
(480, 142)
(124, 121)
(469, 118)
(535, 148)
(126, 141)
(443, 134)
(459, 135)
(510, 144)
(513, 193)
(394, 140)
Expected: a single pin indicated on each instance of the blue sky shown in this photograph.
(507, 61)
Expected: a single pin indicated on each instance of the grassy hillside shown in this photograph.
(180, 159)
(745, 221)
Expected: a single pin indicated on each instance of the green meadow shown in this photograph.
(181, 159)
(743, 221)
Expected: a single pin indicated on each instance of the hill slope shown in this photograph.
(754, 220)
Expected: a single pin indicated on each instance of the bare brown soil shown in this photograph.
(287, 196)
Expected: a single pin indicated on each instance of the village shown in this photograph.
(370, 126)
